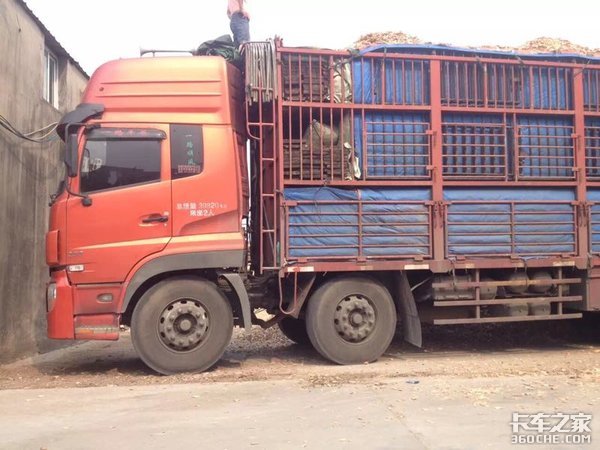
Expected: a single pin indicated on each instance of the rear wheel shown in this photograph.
(182, 325)
(294, 330)
(351, 320)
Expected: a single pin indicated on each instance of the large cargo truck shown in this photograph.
(345, 193)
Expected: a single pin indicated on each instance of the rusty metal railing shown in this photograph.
(545, 152)
(475, 151)
(592, 152)
(591, 90)
(396, 149)
(494, 85)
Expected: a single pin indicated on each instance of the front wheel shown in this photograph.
(351, 320)
(182, 325)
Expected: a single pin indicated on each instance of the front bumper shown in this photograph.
(60, 308)
(72, 313)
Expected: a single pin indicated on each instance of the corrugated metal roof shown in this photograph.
(443, 49)
(50, 39)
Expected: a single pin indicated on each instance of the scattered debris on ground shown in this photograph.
(568, 350)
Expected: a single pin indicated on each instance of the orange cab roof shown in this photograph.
(200, 89)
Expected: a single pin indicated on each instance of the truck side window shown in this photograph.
(114, 163)
(187, 151)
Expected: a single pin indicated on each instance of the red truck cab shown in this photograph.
(158, 184)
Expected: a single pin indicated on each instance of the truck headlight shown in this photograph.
(50, 296)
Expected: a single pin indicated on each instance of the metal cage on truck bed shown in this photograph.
(423, 157)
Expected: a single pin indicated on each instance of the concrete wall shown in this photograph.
(29, 173)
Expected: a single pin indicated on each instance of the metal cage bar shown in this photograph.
(385, 120)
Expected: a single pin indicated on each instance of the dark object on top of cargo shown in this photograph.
(221, 46)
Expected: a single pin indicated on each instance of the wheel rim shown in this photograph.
(183, 324)
(354, 318)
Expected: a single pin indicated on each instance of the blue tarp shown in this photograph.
(325, 223)
(328, 224)
(408, 83)
(545, 141)
(429, 49)
(546, 147)
(396, 144)
(593, 195)
(544, 221)
(404, 84)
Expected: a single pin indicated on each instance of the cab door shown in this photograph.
(124, 172)
(206, 188)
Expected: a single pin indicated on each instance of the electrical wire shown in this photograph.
(51, 130)
(47, 131)
(9, 127)
(52, 125)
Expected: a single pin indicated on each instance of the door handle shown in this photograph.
(156, 219)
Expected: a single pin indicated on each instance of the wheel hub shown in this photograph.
(354, 318)
(183, 324)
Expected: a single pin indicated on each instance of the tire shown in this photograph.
(182, 324)
(369, 324)
(294, 330)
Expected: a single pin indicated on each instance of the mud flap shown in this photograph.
(407, 310)
(235, 282)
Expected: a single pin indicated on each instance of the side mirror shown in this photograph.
(71, 156)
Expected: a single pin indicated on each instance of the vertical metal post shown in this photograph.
(261, 181)
(516, 149)
(360, 226)
(437, 159)
(559, 306)
(278, 169)
(477, 294)
(579, 140)
(486, 82)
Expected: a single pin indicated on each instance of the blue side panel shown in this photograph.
(326, 221)
(593, 195)
(396, 144)
(380, 81)
(527, 222)
(395, 195)
(392, 227)
(327, 226)
(471, 149)
(525, 194)
(545, 147)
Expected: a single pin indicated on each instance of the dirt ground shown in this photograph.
(569, 350)
(459, 392)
